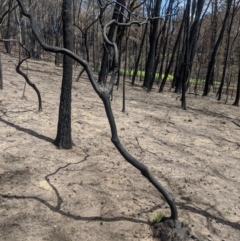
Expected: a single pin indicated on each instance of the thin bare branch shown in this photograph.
(19, 71)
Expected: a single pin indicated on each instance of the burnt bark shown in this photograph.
(227, 50)
(1, 75)
(176, 45)
(19, 71)
(8, 30)
(153, 37)
(64, 132)
(164, 33)
(236, 102)
(105, 59)
(139, 54)
(216, 46)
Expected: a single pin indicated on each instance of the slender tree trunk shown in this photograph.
(105, 59)
(94, 41)
(1, 75)
(139, 54)
(151, 59)
(214, 53)
(64, 133)
(8, 30)
(162, 44)
(226, 57)
(177, 43)
(124, 77)
(236, 102)
(186, 56)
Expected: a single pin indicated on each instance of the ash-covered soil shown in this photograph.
(90, 192)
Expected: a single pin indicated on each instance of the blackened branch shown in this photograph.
(19, 71)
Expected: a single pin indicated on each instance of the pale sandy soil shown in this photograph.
(91, 192)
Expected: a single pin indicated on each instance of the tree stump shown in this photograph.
(170, 230)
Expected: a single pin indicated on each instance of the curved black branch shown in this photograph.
(141, 167)
(19, 71)
(114, 45)
(6, 12)
(105, 96)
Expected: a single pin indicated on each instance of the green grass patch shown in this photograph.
(158, 218)
(141, 73)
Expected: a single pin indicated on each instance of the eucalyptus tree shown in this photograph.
(165, 37)
(236, 102)
(175, 52)
(1, 75)
(229, 43)
(216, 47)
(8, 29)
(106, 51)
(153, 41)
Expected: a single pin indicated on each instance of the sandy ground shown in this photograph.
(91, 192)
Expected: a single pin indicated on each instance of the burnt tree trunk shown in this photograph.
(226, 57)
(214, 53)
(186, 56)
(236, 102)
(1, 77)
(176, 45)
(163, 43)
(8, 30)
(104, 65)
(64, 133)
(153, 37)
(139, 54)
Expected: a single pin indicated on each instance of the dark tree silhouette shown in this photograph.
(1, 75)
(175, 47)
(19, 71)
(216, 46)
(236, 102)
(227, 49)
(64, 132)
(139, 54)
(153, 39)
(8, 30)
(105, 59)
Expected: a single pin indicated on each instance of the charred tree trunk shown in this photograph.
(1, 76)
(64, 133)
(119, 39)
(151, 59)
(105, 59)
(163, 43)
(189, 45)
(139, 54)
(236, 102)
(176, 45)
(186, 66)
(8, 30)
(214, 53)
(226, 57)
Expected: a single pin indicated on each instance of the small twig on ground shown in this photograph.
(236, 123)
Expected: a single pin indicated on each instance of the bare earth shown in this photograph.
(90, 192)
